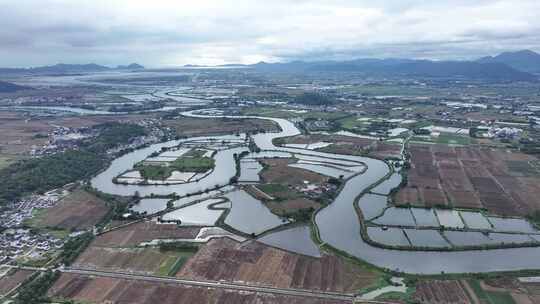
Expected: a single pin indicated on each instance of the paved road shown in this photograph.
(213, 284)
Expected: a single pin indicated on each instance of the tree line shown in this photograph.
(45, 173)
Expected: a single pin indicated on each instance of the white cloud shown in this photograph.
(169, 33)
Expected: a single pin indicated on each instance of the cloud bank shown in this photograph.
(172, 33)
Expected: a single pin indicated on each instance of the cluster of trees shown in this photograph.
(183, 164)
(314, 99)
(252, 146)
(529, 146)
(74, 246)
(49, 172)
(118, 206)
(112, 135)
(178, 246)
(42, 174)
(420, 131)
(301, 215)
(134, 108)
(34, 289)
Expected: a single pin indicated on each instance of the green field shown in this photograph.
(522, 167)
(281, 113)
(171, 265)
(182, 164)
(446, 139)
(351, 123)
(36, 222)
(490, 297)
(179, 254)
(193, 164)
(6, 160)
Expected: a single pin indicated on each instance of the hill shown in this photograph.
(133, 66)
(7, 87)
(525, 60)
(62, 68)
(406, 67)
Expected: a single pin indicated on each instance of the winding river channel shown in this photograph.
(338, 224)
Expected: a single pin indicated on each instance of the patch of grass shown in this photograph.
(166, 266)
(446, 139)
(195, 153)
(490, 297)
(59, 233)
(193, 164)
(46, 259)
(522, 167)
(38, 215)
(179, 254)
(177, 266)
(36, 222)
(6, 160)
(352, 122)
(392, 295)
(283, 113)
(279, 191)
(273, 188)
(182, 164)
(155, 172)
(382, 281)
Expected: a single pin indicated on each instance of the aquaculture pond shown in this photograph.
(150, 205)
(199, 214)
(295, 239)
(249, 215)
(338, 223)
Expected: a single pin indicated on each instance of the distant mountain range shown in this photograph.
(495, 70)
(517, 66)
(7, 87)
(62, 68)
(404, 67)
(509, 66)
(526, 60)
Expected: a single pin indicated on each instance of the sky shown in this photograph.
(168, 33)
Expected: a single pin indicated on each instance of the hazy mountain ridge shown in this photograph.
(525, 60)
(407, 67)
(8, 87)
(508, 66)
(62, 68)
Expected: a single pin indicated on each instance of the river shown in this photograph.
(338, 223)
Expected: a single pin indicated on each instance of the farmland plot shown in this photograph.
(256, 263)
(502, 181)
(109, 290)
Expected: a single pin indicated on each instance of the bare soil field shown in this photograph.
(503, 182)
(313, 138)
(283, 207)
(78, 211)
(256, 263)
(7, 159)
(348, 145)
(19, 132)
(277, 171)
(108, 290)
(433, 197)
(408, 195)
(12, 280)
(441, 292)
(149, 261)
(508, 289)
(134, 234)
(287, 198)
(188, 126)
